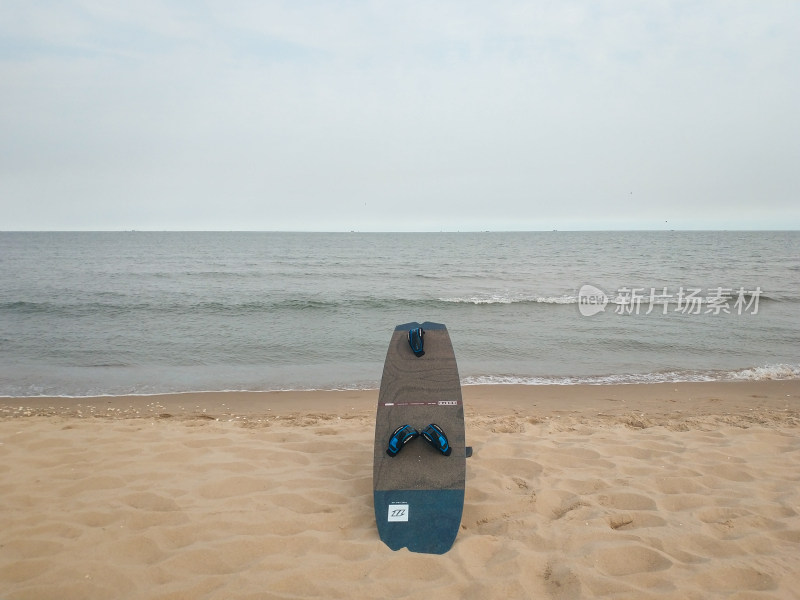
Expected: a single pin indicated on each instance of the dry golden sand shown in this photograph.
(638, 491)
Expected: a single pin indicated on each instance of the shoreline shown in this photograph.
(654, 403)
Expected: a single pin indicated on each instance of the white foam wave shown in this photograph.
(510, 299)
(764, 373)
(774, 372)
(767, 373)
(628, 378)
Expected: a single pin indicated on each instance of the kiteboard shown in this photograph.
(419, 466)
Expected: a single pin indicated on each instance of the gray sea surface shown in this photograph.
(150, 312)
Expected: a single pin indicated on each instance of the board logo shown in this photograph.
(448, 402)
(398, 513)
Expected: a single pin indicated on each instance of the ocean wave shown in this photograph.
(687, 300)
(684, 303)
(144, 307)
(767, 373)
(628, 378)
(99, 305)
(510, 299)
(98, 308)
(32, 392)
(764, 373)
(776, 372)
(24, 307)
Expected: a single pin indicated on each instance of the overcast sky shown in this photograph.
(371, 116)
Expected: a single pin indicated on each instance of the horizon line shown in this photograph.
(347, 231)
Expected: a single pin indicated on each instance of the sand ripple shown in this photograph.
(168, 509)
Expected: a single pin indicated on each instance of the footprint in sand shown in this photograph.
(561, 583)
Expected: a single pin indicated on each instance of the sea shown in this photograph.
(118, 313)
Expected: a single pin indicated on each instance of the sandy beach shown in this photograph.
(633, 491)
